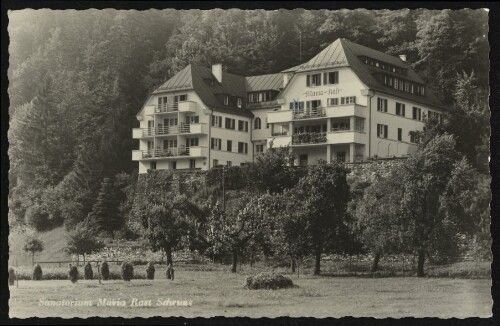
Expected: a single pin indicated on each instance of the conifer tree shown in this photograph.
(105, 213)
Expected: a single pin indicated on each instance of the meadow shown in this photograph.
(211, 290)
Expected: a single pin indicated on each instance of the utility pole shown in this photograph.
(300, 46)
(223, 188)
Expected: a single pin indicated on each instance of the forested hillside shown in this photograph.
(77, 79)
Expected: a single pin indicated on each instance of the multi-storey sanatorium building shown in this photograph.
(348, 103)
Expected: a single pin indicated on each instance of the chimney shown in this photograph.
(402, 57)
(217, 72)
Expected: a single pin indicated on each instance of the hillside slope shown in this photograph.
(54, 242)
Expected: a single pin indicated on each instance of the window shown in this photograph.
(174, 165)
(348, 100)
(400, 109)
(341, 156)
(295, 105)
(417, 113)
(359, 124)
(400, 134)
(192, 164)
(192, 119)
(226, 100)
(230, 123)
(242, 148)
(216, 121)
(256, 123)
(407, 87)
(215, 143)
(242, 125)
(191, 142)
(382, 130)
(229, 146)
(413, 137)
(171, 143)
(215, 163)
(259, 148)
(381, 104)
(229, 163)
(331, 77)
(251, 97)
(396, 83)
(313, 80)
(267, 124)
(152, 165)
(313, 104)
(332, 101)
(183, 97)
(239, 102)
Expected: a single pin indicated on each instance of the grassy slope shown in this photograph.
(219, 293)
(54, 242)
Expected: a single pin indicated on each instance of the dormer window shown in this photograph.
(226, 100)
(239, 102)
(209, 81)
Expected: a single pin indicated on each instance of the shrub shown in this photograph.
(88, 273)
(12, 276)
(73, 273)
(105, 271)
(170, 272)
(37, 273)
(268, 281)
(150, 271)
(127, 271)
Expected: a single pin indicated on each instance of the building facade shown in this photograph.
(348, 103)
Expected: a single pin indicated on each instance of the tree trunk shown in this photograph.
(235, 261)
(292, 264)
(317, 262)
(376, 259)
(32, 258)
(420, 265)
(168, 251)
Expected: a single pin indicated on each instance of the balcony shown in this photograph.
(187, 106)
(280, 116)
(279, 133)
(167, 108)
(309, 138)
(346, 136)
(175, 152)
(318, 112)
(138, 133)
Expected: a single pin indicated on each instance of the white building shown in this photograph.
(347, 103)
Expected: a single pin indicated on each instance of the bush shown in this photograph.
(73, 273)
(127, 271)
(12, 276)
(150, 271)
(105, 271)
(37, 273)
(268, 281)
(170, 272)
(88, 273)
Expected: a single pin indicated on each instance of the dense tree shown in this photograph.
(322, 195)
(234, 224)
(435, 185)
(82, 240)
(105, 212)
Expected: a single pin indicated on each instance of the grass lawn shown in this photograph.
(217, 293)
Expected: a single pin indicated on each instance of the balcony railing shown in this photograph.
(167, 107)
(280, 133)
(166, 152)
(309, 138)
(317, 112)
(347, 129)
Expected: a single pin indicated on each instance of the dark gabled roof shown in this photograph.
(343, 53)
(181, 81)
(264, 82)
(367, 73)
(194, 77)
